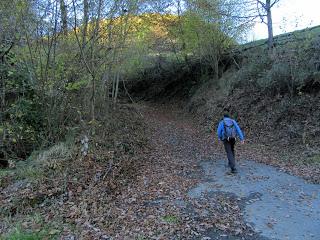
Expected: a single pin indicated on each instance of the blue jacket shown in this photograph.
(220, 130)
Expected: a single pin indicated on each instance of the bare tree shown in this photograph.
(85, 21)
(264, 10)
(244, 13)
(64, 17)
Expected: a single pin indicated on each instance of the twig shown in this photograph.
(124, 86)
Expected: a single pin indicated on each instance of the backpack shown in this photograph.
(229, 129)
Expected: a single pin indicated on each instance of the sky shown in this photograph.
(289, 15)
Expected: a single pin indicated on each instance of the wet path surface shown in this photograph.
(277, 205)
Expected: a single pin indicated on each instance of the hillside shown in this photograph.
(276, 100)
(285, 38)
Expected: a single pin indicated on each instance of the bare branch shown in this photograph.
(274, 3)
(78, 40)
(7, 51)
(259, 13)
(261, 3)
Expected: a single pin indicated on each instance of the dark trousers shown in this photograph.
(229, 147)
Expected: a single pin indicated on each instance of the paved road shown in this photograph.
(277, 205)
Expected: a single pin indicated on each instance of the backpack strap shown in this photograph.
(225, 129)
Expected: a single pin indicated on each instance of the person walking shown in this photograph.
(228, 130)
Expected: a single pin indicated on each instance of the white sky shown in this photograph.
(289, 15)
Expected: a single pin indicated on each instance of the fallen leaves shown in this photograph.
(144, 193)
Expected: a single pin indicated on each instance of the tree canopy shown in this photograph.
(64, 61)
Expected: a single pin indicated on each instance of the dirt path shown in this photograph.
(185, 193)
(182, 192)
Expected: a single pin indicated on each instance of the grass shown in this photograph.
(31, 173)
(34, 168)
(24, 170)
(141, 238)
(170, 219)
(18, 234)
(307, 33)
(313, 160)
(59, 151)
(31, 227)
(4, 172)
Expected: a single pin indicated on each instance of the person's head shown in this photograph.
(226, 112)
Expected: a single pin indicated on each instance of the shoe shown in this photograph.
(234, 170)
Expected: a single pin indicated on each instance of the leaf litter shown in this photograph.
(144, 196)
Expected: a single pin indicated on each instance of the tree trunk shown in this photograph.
(93, 99)
(117, 87)
(113, 86)
(3, 97)
(181, 31)
(216, 67)
(269, 23)
(93, 57)
(63, 10)
(85, 22)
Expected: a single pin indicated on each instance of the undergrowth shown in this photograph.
(32, 227)
(62, 171)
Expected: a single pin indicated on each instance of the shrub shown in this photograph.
(287, 71)
(21, 119)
